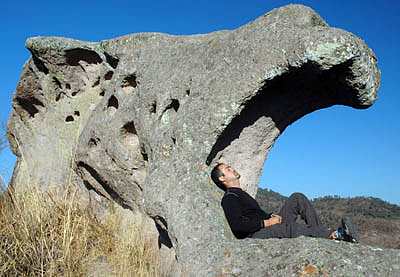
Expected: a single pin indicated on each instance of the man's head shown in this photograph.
(225, 176)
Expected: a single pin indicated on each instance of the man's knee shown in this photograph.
(297, 195)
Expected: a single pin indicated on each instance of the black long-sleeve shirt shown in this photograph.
(243, 213)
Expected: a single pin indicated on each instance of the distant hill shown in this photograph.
(378, 221)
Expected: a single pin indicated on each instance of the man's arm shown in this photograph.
(237, 221)
(274, 219)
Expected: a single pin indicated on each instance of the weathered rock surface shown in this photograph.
(141, 119)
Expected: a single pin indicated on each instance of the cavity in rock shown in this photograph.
(153, 107)
(57, 82)
(29, 105)
(162, 228)
(113, 102)
(285, 103)
(174, 104)
(108, 75)
(111, 60)
(143, 152)
(95, 84)
(129, 136)
(73, 56)
(69, 118)
(129, 128)
(129, 83)
(93, 142)
(40, 64)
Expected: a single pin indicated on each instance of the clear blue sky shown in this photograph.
(338, 150)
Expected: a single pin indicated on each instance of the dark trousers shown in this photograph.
(297, 204)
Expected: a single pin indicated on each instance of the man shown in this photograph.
(248, 220)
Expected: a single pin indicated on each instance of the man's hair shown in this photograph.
(215, 174)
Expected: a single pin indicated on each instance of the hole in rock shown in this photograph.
(162, 228)
(77, 113)
(102, 92)
(153, 107)
(67, 86)
(128, 128)
(130, 139)
(29, 104)
(74, 93)
(95, 84)
(129, 83)
(57, 82)
(112, 102)
(108, 75)
(129, 135)
(143, 152)
(188, 92)
(247, 139)
(314, 141)
(111, 60)
(93, 142)
(40, 64)
(174, 104)
(69, 118)
(74, 56)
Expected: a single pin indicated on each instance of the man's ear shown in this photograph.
(221, 178)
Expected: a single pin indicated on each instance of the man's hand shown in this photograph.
(275, 219)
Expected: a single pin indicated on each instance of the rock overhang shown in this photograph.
(342, 72)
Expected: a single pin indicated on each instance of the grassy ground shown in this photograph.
(42, 234)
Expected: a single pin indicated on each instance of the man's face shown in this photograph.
(230, 174)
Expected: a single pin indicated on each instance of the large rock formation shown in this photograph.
(140, 120)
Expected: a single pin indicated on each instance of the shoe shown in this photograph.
(349, 231)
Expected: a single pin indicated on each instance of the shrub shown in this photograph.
(48, 234)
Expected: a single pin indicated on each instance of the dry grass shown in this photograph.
(42, 234)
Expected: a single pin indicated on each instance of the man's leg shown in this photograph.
(298, 204)
(291, 230)
(274, 231)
